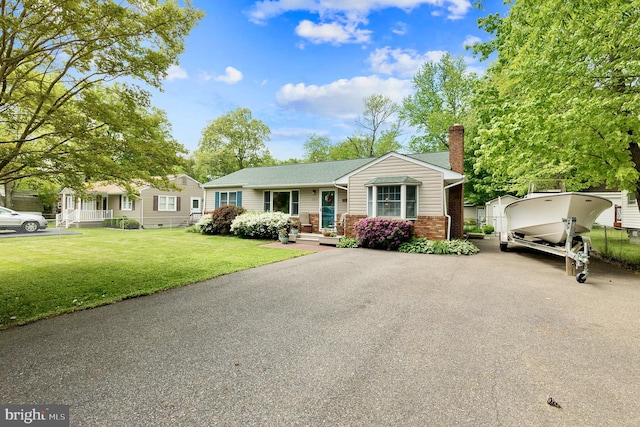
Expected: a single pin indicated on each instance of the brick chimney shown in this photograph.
(456, 148)
(456, 194)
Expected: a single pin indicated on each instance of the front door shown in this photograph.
(328, 209)
(195, 205)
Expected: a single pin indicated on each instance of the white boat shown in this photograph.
(540, 214)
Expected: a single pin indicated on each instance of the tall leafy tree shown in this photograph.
(442, 97)
(232, 142)
(317, 148)
(377, 131)
(63, 118)
(563, 98)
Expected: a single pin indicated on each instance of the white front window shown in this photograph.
(167, 203)
(228, 198)
(287, 201)
(393, 201)
(127, 203)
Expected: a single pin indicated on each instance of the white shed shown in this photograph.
(495, 211)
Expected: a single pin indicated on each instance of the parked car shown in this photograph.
(21, 222)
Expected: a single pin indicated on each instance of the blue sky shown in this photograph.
(304, 66)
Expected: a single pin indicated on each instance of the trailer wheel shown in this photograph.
(581, 277)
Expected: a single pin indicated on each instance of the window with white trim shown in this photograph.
(228, 198)
(127, 203)
(167, 203)
(392, 201)
(282, 201)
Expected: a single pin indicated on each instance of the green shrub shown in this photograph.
(260, 225)
(219, 221)
(383, 233)
(444, 247)
(472, 228)
(488, 229)
(347, 242)
(121, 222)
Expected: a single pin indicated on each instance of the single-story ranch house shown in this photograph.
(424, 188)
(149, 206)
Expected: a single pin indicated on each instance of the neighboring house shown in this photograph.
(475, 214)
(424, 188)
(149, 206)
(624, 213)
(22, 201)
(495, 212)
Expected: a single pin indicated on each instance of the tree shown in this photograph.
(562, 100)
(63, 118)
(232, 142)
(375, 135)
(317, 148)
(443, 93)
(373, 124)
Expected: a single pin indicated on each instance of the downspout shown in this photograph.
(445, 206)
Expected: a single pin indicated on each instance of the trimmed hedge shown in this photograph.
(121, 222)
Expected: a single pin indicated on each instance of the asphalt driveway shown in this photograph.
(348, 337)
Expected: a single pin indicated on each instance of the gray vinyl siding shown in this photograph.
(188, 188)
(430, 192)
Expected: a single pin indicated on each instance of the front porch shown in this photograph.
(78, 217)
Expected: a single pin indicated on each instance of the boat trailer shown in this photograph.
(575, 249)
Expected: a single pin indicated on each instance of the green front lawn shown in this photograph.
(44, 276)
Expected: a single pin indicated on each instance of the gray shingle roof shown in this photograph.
(308, 174)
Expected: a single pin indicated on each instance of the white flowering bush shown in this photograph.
(260, 225)
(205, 224)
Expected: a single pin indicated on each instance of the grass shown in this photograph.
(46, 276)
(616, 246)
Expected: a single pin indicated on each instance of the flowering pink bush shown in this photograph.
(383, 233)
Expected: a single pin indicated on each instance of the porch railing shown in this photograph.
(72, 216)
(194, 217)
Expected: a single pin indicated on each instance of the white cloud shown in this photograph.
(334, 32)
(263, 10)
(470, 41)
(295, 134)
(400, 28)
(401, 62)
(175, 72)
(231, 76)
(341, 98)
(204, 76)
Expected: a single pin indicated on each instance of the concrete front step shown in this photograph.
(318, 238)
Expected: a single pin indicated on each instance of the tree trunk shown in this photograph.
(8, 195)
